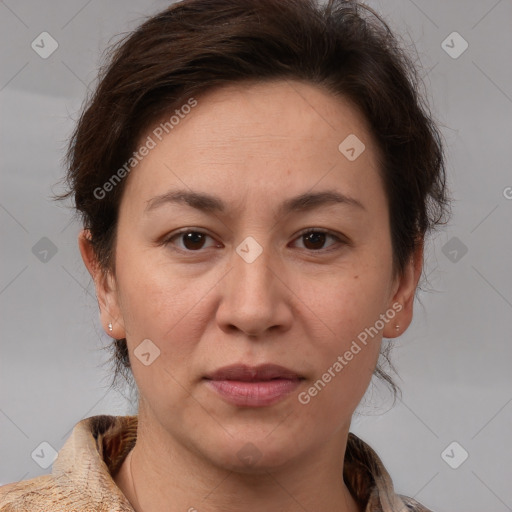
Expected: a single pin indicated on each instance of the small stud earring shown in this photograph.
(110, 326)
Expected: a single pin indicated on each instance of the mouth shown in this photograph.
(253, 386)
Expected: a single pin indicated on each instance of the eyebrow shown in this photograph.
(212, 204)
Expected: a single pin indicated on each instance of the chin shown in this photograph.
(252, 453)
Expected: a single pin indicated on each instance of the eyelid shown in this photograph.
(340, 239)
(166, 241)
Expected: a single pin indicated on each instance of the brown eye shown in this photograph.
(314, 240)
(193, 240)
(190, 240)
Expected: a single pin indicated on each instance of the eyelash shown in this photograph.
(168, 241)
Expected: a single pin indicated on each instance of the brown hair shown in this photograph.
(197, 45)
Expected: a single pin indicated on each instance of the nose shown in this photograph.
(255, 299)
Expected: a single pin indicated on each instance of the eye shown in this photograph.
(192, 240)
(314, 239)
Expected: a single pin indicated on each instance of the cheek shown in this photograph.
(344, 356)
(160, 303)
(345, 344)
(348, 300)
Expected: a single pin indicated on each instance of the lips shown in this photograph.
(244, 373)
(253, 386)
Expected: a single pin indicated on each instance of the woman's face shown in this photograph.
(250, 284)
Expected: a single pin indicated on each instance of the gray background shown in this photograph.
(454, 361)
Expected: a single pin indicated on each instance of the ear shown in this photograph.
(105, 285)
(404, 293)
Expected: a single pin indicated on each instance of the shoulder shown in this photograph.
(29, 494)
(50, 494)
(80, 480)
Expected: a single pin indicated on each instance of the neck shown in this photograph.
(161, 475)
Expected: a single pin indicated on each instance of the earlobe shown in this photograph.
(403, 299)
(106, 293)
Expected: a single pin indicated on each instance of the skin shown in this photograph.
(300, 304)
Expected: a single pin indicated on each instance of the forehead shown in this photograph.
(280, 111)
(249, 139)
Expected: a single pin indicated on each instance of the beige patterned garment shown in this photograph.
(81, 479)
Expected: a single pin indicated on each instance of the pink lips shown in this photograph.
(256, 386)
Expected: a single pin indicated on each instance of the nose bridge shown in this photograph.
(252, 272)
(252, 299)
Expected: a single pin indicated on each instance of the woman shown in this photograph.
(256, 179)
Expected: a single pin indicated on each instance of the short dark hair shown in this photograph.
(197, 45)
